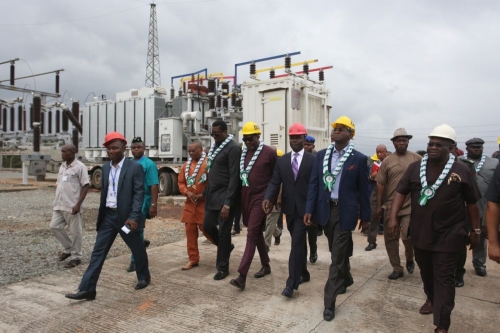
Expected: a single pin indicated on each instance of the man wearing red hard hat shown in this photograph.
(122, 195)
(292, 173)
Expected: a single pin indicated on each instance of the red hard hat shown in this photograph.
(297, 129)
(111, 136)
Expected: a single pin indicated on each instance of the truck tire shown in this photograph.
(175, 185)
(165, 186)
(96, 178)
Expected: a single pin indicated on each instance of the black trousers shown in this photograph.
(297, 262)
(220, 232)
(106, 235)
(312, 237)
(237, 218)
(341, 248)
(437, 270)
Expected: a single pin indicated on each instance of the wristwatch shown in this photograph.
(153, 205)
(477, 231)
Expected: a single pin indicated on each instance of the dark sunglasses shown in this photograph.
(248, 139)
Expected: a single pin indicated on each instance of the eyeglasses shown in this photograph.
(248, 139)
(436, 144)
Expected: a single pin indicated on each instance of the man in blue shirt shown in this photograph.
(149, 206)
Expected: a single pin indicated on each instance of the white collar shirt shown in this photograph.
(114, 175)
(299, 157)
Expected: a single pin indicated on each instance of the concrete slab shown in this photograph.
(187, 301)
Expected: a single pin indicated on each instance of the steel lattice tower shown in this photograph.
(153, 78)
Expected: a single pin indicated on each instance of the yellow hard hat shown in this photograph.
(374, 157)
(498, 141)
(346, 121)
(279, 152)
(250, 128)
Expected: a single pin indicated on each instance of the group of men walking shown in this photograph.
(432, 203)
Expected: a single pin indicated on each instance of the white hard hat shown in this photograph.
(444, 131)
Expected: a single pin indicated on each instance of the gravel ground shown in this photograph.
(28, 247)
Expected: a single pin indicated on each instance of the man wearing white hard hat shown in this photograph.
(439, 189)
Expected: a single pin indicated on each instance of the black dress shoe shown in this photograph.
(234, 233)
(410, 266)
(343, 290)
(395, 275)
(480, 271)
(459, 281)
(220, 275)
(142, 284)
(370, 247)
(232, 248)
(239, 282)
(320, 232)
(287, 292)
(304, 279)
(146, 243)
(131, 267)
(313, 258)
(88, 295)
(329, 314)
(265, 270)
(277, 240)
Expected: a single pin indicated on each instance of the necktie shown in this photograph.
(295, 166)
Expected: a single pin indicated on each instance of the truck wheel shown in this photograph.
(96, 178)
(165, 187)
(175, 185)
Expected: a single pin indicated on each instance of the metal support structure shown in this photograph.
(35, 75)
(259, 60)
(187, 74)
(29, 91)
(153, 62)
(9, 61)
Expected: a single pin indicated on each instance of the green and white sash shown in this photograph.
(244, 173)
(428, 192)
(190, 180)
(212, 154)
(330, 178)
(481, 162)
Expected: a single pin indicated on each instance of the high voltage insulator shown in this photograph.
(211, 86)
(252, 69)
(172, 93)
(180, 91)
(225, 103)
(272, 73)
(321, 75)
(305, 68)
(57, 83)
(219, 101)
(225, 88)
(211, 102)
(12, 73)
(233, 99)
(288, 62)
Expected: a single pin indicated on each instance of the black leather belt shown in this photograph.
(112, 209)
(334, 202)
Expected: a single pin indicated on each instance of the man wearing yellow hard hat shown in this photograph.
(256, 168)
(338, 185)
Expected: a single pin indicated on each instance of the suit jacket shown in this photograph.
(130, 193)
(353, 191)
(224, 185)
(294, 192)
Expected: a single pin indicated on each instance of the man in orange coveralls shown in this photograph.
(192, 183)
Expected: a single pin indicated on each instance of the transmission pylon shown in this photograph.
(153, 63)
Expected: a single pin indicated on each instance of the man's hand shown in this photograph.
(132, 225)
(379, 212)
(224, 213)
(197, 198)
(267, 206)
(75, 210)
(393, 227)
(307, 219)
(494, 252)
(191, 196)
(363, 226)
(153, 210)
(373, 175)
(474, 240)
(278, 203)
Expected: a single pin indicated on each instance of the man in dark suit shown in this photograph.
(122, 195)
(292, 172)
(339, 183)
(222, 195)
